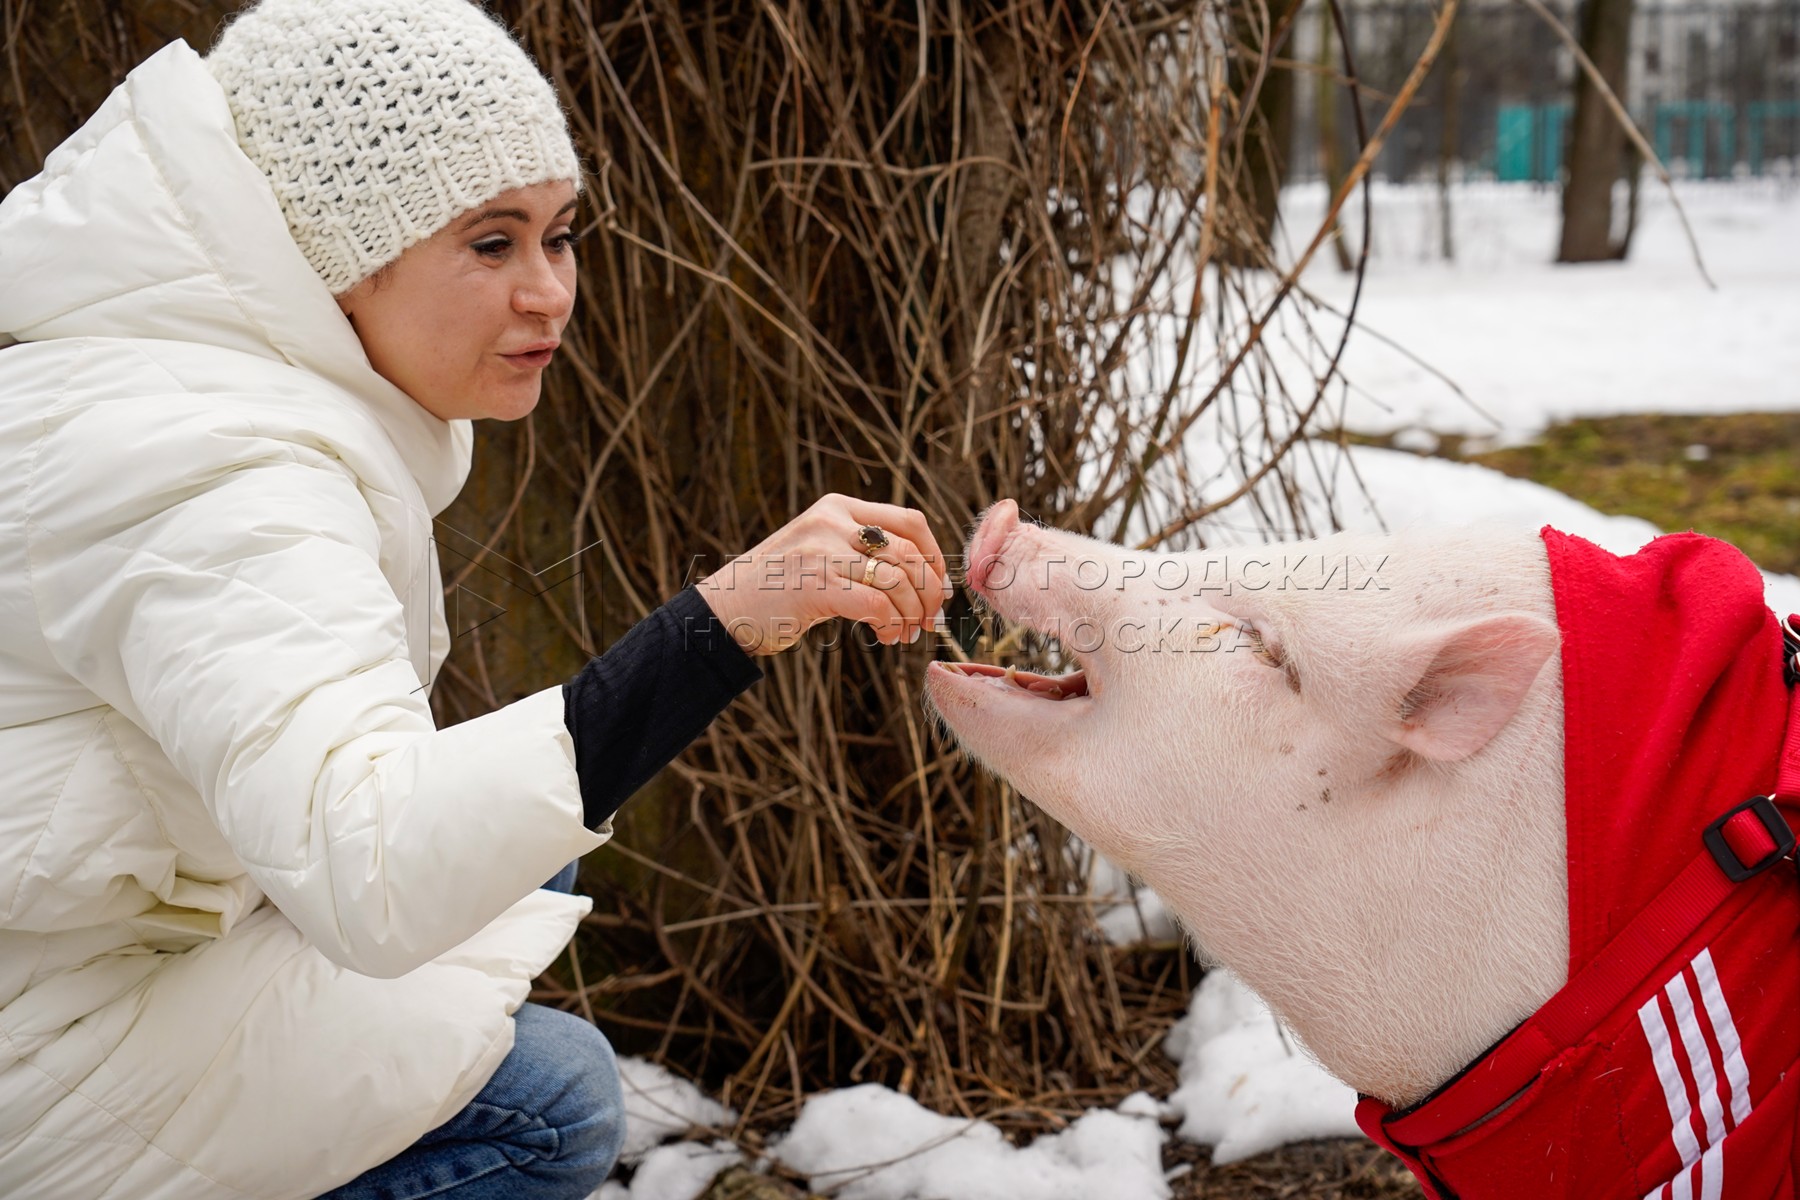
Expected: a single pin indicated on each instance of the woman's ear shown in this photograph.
(1467, 681)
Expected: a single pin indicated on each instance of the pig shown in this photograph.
(1554, 965)
(1292, 764)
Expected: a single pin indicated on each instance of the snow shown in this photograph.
(871, 1143)
(1245, 1086)
(659, 1103)
(1528, 343)
(1531, 342)
(679, 1171)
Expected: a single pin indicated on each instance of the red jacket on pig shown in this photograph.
(1664, 1069)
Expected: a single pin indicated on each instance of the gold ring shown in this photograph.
(869, 572)
(872, 538)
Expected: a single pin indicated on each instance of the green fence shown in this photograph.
(1700, 138)
(1782, 117)
(1528, 143)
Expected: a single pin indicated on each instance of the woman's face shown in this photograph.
(465, 321)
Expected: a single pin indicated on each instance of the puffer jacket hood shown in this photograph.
(173, 234)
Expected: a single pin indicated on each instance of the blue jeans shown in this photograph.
(548, 1125)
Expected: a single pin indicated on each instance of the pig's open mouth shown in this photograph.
(986, 550)
(1049, 687)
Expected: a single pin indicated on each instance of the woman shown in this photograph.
(263, 929)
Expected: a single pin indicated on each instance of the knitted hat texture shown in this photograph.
(379, 123)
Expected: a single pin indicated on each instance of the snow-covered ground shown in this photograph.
(1531, 342)
(1244, 1089)
(1528, 342)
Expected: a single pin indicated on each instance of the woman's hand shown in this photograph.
(815, 568)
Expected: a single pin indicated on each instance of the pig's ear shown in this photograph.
(1470, 680)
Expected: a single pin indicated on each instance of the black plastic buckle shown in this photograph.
(1772, 820)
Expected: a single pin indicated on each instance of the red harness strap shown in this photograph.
(1737, 847)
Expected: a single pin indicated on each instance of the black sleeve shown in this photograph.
(638, 705)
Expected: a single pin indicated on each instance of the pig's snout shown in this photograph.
(977, 699)
(1043, 579)
(986, 547)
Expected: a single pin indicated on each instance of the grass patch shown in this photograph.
(1731, 476)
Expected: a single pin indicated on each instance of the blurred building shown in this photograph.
(1715, 84)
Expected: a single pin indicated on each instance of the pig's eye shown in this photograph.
(1271, 656)
(1260, 648)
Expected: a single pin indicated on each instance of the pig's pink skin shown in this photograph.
(1378, 853)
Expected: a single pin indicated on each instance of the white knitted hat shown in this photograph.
(379, 123)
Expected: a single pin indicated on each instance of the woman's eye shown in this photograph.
(493, 247)
(562, 243)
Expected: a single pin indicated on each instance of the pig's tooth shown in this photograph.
(1012, 676)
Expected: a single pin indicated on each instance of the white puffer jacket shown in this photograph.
(261, 925)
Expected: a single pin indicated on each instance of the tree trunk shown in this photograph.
(1330, 152)
(1448, 138)
(1268, 130)
(1596, 142)
(1634, 175)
